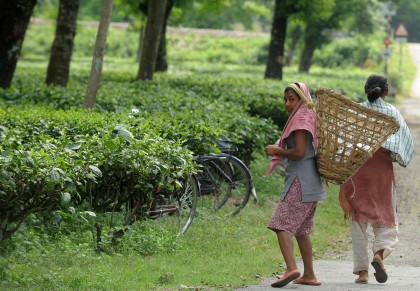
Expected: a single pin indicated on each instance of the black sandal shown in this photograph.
(380, 275)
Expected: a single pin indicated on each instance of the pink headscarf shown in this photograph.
(302, 117)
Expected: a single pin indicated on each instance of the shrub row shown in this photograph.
(56, 153)
(244, 110)
(50, 158)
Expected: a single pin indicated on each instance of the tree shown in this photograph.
(224, 14)
(98, 55)
(357, 15)
(282, 11)
(161, 58)
(14, 20)
(274, 68)
(408, 12)
(200, 13)
(155, 19)
(313, 38)
(132, 7)
(62, 48)
(295, 34)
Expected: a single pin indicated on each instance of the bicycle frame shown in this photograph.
(209, 188)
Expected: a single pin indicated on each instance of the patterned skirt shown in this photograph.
(293, 215)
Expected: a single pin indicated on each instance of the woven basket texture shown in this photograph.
(348, 134)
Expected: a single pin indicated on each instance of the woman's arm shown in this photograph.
(296, 153)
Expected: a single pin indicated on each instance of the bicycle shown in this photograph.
(172, 209)
(225, 181)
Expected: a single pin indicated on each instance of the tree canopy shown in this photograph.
(408, 12)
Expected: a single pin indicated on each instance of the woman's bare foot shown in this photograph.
(363, 277)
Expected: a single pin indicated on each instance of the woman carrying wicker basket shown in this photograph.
(303, 187)
(369, 197)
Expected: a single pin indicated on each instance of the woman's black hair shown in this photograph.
(375, 86)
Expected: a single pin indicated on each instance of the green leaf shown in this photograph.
(95, 170)
(56, 174)
(74, 146)
(65, 199)
(93, 214)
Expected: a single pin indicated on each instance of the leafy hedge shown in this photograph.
(49, 158)
(56, 154)
(194, 100)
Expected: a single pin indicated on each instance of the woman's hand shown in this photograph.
(296, 153)
(272, 149)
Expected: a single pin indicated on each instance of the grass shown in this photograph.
(405, 67)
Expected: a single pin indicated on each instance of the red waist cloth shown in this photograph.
(368, 196)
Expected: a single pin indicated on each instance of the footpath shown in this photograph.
(403, 265)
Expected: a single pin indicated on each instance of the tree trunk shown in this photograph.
(155, 19)
(306, 58)
(10, 223)
(161, 58)
(296, 34)
(312, 40)
(161, 61)
(14, 20)
(62, 48)
(274, 69)
(98, 55)
(140, 47)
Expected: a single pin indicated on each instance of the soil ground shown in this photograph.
(403, 265)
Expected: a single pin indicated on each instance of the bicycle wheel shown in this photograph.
(211, 182)
(230, 183)
(175, 210)
(238, 187)
(185, 202)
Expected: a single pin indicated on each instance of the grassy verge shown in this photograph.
(401, 64)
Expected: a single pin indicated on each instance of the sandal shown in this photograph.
(286, 279)
(380, 275)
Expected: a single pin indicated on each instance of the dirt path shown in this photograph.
(403, 265)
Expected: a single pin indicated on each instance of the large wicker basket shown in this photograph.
(348, 135)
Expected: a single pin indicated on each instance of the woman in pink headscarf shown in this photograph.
(302, 188)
